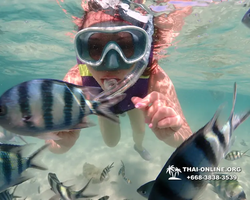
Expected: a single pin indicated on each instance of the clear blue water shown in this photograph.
(210, 53)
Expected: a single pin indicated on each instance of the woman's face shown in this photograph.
(97, 43)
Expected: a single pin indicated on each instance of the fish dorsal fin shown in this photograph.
(213, 122)
(71, 187)
(79, 194)
(13, 148)
(232, 111)
(90, 92)
(234, 101)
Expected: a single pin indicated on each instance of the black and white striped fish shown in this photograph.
(228, 189)
(65, 192)
(205, 148)
(122, 170)
(6, 195)
(234, 155)
(13, 163)
(41, 106)
(123, 174)
(105, 172)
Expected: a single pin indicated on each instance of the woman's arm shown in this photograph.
(68, 137)
(160, 82)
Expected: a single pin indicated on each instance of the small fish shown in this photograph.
(41, 107)
(12, 164)
(246, 19)
(122, 173)
(5, 195)
(122, 170)
(105, 172)
(243, 143)
(39, 189)
(228, 189)
(205, 148)
(234, 155)
(65, 192)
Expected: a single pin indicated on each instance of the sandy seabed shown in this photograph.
(90, 148)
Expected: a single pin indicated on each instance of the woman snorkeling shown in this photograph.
(114, 44)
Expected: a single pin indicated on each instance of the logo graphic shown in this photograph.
(173, 171)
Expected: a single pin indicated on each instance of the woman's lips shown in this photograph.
(109, 78)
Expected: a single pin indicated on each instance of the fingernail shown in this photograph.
(138, 105)
(150, 125)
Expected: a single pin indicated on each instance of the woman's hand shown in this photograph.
(68, 139)
(159, 114)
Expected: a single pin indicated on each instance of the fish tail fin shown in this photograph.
(31, 163)
(238, 119)
(213, 123)
(102, 107)
(80, 194)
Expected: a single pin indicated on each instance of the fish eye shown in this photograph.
(144, 192)
(3, 110)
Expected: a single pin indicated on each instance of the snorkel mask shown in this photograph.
(124, 43)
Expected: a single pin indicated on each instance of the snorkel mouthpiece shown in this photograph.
(110, 84)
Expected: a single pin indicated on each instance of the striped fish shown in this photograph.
(122, 173)
(228, 189)
(6, 195)
(43, 106)
(205, 148)
(234, 155)
(65, 192)
(105, 172)
(122, 170)
(13, 163)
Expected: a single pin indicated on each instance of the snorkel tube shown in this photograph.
(136, 18)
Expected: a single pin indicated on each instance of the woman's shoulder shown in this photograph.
(73, 76)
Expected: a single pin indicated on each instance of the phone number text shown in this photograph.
(213, 177)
